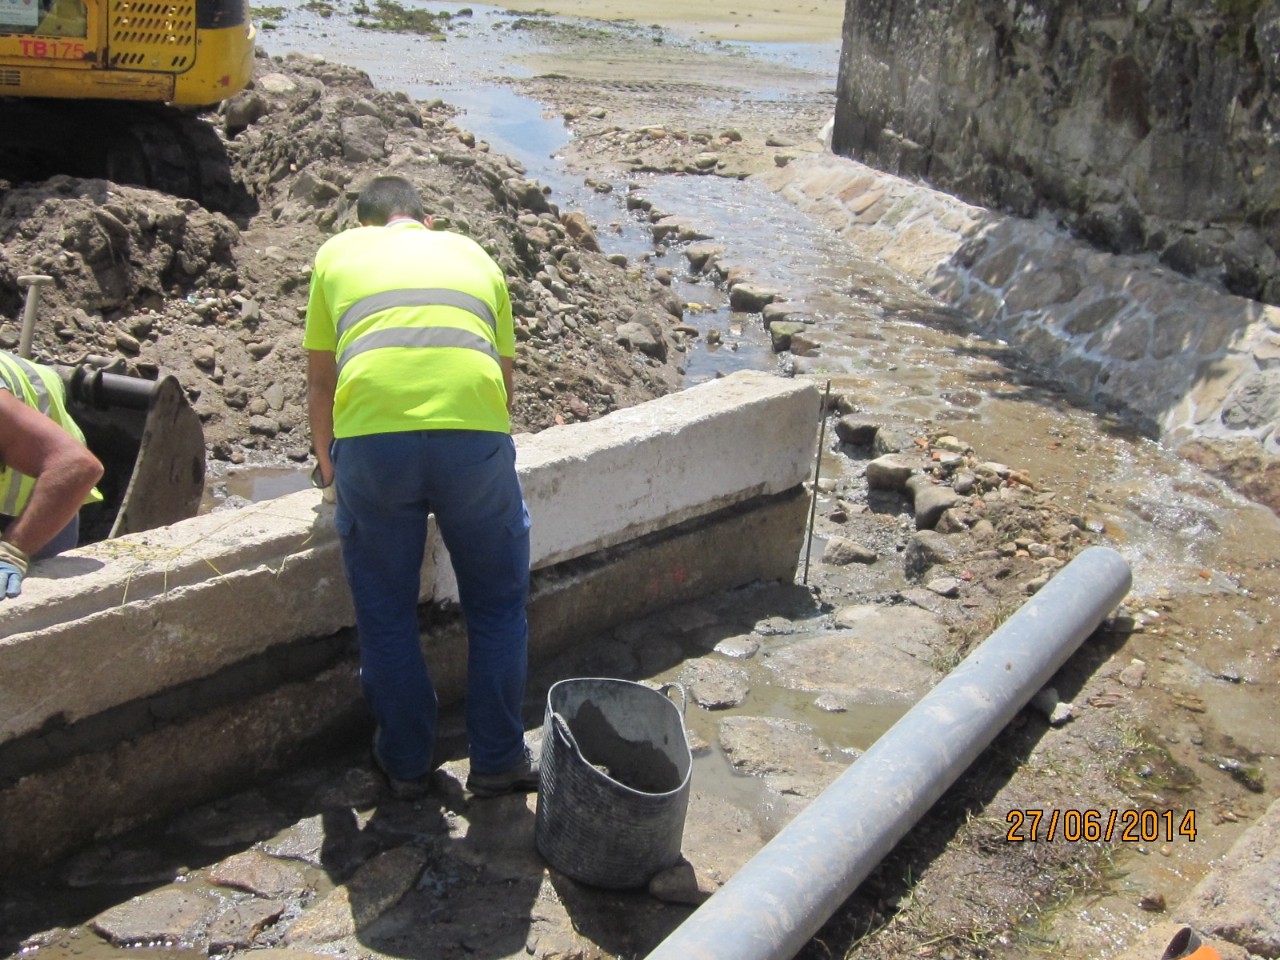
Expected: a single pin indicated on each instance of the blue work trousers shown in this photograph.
(387, 485)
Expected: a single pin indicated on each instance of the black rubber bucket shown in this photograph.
(614, 786)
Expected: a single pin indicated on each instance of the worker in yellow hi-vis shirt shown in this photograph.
(410, 344)
(46, 471)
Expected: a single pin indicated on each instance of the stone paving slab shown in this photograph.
(1239, 901)
(1235, 908)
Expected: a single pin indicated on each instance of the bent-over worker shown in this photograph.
(46, 471)
(410, 343)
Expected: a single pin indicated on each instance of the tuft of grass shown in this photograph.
(970, 633)
(1086, 878)
(948, 658)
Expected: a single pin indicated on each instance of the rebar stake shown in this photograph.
(817, 469)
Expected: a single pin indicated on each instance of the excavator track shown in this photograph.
(146, 145)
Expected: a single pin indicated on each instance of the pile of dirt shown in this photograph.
(149, 284)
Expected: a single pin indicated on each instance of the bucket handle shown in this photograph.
(666, 689)
(562, 729)
(564, 732)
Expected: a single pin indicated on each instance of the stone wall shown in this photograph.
(1140, 125)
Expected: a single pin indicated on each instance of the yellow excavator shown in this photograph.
(113, 88)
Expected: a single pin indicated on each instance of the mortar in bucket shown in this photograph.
(614, 786)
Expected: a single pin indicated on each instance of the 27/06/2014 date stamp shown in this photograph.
(1123, 826)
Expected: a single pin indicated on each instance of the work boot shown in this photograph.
(416, 789)
(409, 790)
(522, 778)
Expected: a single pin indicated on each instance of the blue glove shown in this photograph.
(13, 567)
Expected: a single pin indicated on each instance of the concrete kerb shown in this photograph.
(117, 621)
(233, 631)
(590, 486)
(120, 620)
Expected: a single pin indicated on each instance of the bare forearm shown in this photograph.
(321, 416)
(508, 380)
(322, 381)
(60, 490)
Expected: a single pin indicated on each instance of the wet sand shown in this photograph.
(747, 20)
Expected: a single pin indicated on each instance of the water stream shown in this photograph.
(918, 364)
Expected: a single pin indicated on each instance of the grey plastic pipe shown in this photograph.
(772, 906)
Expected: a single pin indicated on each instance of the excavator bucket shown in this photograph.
(151, 445)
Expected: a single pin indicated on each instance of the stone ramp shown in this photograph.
(1188, 363)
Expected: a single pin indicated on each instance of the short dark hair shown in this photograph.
(386, 197)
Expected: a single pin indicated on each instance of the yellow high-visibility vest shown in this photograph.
(40, 388)
(419, 321)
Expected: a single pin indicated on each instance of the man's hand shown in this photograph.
(328, 488)
(13, 567)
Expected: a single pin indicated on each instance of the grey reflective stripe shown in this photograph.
(7, 378)
(43, 403)
(418, 337)
(425, 297)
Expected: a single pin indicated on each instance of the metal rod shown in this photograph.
(101, 390)
(817, 470)
(32, 282)
(772, 906)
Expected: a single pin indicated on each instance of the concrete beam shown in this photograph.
(122, 619)
(652, 466)
(108, 646)
(590, 486)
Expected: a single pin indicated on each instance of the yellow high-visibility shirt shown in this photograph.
(418, 321)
